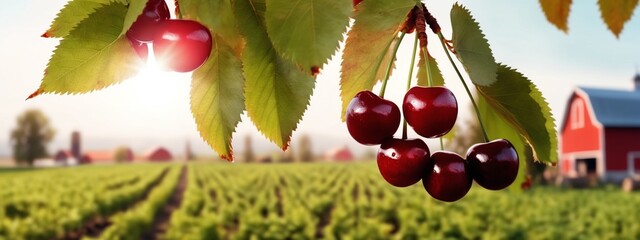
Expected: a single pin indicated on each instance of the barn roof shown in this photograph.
(95, 156)
(153, 150)
(615, 108)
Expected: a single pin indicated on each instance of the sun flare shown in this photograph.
(154, 87)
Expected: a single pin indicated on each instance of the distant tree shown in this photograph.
(304, 153)
(31, 136)
(249, 156)
(122, 154)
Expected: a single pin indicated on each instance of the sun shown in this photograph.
(154, 87)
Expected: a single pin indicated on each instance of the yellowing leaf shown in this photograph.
(307, 31)
(522, 105)
(92, 56)
(217, 15)
(436, 74)
(217, 98)
(616, 13)
(277, 92)
(375, 28)
(71, 14)
(557, 12)
(472, 49)
(135, 9)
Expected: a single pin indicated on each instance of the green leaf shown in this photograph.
(616, 13)
(498, 127)
(217, 15)
(135, 9)
(436, 74)
(521, 104)
(307, 31)
(472, 48)
(73, 13)
(368, 41)
(277, 92)
(557, 12)
(217, 98)
(93, 56)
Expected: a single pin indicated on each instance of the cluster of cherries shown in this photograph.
(431, 112)
(178, 45)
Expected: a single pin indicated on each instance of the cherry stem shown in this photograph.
(374, 74)
(425, 53)
(466, 88)
(390, 65)
(413, 62)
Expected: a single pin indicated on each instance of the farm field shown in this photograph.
(290, 201)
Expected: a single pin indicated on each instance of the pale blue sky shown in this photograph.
(156, 111)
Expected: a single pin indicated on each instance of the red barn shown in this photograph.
(340, 154)
(159, 154)
(600, 134)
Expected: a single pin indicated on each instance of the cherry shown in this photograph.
(140, 48)
(182, 45)
(494, 165)
(371, 119)
(402, 162)
(430, 111)
(356, 2)
(145, 26)
(447, 178)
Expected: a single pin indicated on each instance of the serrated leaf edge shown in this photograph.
(551, 121)
(473, 19)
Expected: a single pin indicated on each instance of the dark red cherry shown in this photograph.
(182, 45)
(356, 2)
(447, 178)
(140, 48)
(402, 162)
(430, 111)
(494, 165)
(145, 26)
(371, 119)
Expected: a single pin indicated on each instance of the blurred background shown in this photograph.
(153, 109)
(589, 77)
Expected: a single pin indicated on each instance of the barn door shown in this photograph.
(586, 166)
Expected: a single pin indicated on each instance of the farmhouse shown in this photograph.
(64, 157)
(121, 154)
(600, 134)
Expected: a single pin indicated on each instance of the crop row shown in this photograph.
(136, 221)
(45, 204)
(295, 201)
(351, 201)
